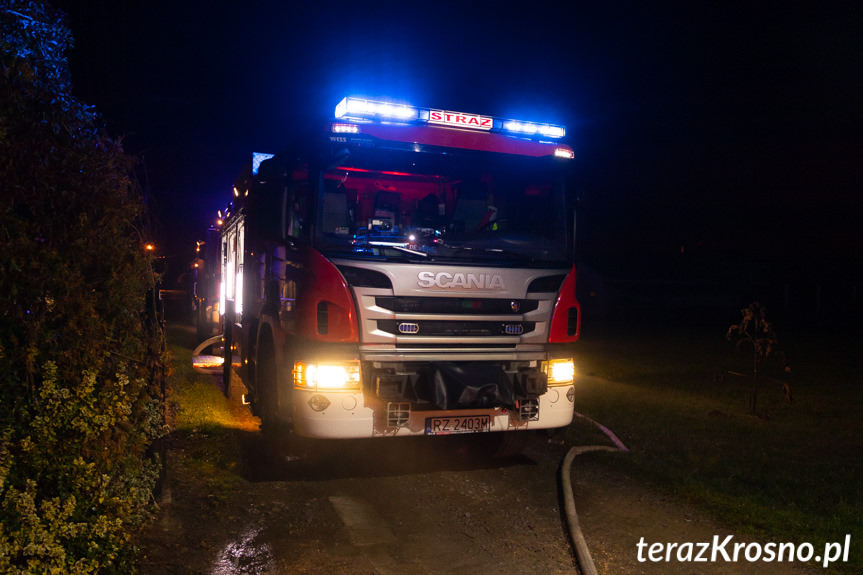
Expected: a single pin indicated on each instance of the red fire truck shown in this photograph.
(406, 271)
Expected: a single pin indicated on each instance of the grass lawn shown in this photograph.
(204, 422)
(793, 473)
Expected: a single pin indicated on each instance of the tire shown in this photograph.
(266, 388)
(228, 361)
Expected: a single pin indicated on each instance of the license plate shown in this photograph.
(458, 424)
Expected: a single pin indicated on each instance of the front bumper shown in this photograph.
(344, 415)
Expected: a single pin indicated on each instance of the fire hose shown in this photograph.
(582, 553)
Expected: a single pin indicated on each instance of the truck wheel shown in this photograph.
(228, 361)
(266, 388)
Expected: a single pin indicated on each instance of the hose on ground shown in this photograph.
(582, 553)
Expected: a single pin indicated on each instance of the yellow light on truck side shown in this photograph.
(330, 376)
(560, 371)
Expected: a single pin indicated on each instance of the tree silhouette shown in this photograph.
(756, 331)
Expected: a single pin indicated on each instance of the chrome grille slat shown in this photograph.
(460, 328)
(456, 305)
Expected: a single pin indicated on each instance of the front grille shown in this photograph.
(456, 305)
(463, 345)
(443, 328)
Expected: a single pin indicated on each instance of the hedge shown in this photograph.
(81, 365)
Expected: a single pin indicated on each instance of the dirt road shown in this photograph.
(412, 506)
(404, 506)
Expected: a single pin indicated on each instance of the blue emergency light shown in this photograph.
(359, 109)
(257, 158)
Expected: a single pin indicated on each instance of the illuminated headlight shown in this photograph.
(344, 376)
(559, 371)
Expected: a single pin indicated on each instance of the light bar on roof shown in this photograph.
(531, 129)
(359, 109)
(353, 109)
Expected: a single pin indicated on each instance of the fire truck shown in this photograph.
(404, 271)
(205, 271)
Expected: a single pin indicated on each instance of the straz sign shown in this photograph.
(460, 120)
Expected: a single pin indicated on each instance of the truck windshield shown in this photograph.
(491, 209)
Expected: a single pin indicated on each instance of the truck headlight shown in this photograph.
(559, 371)
(330, 376)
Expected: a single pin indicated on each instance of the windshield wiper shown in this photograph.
(409, 251)
(490, 254)
(390, 253)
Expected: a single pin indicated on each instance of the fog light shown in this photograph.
(319, 402)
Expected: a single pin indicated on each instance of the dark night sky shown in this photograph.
(695, 123)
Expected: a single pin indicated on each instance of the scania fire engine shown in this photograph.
(405, 271)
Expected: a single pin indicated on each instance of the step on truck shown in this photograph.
(405, 271)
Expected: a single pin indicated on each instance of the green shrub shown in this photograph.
(80, 357)
(74, 510)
